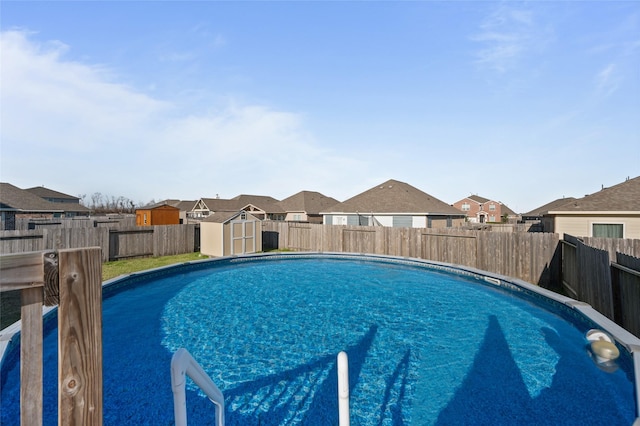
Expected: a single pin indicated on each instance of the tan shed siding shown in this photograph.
(226, 239)
(210, 239)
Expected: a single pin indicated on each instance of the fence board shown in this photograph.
(594, 278)
(528, 256)
(627, 287)
(21, 241)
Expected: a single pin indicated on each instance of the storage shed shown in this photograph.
(230, 233)
(158, 214)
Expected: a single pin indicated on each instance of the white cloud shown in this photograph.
(507, 35)
(607, 80)
(70, 124)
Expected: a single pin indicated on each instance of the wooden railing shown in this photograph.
(72, 279)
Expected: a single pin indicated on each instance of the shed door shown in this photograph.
(243, 237)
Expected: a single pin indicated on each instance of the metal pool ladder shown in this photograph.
(182, 365)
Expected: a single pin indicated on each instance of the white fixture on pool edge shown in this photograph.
(602, 346)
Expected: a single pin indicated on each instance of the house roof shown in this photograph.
(219, 204)
(394, 196)
(43, 192)
(478, 199)
(262, 202)
(539, 211)
(310, 202)
(186, 205)
(624, 196)
(14, 198)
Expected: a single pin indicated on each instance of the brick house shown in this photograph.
(483, 210)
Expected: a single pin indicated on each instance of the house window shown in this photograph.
(466, 207)
(608, 230)
(492, 207)
(145, 219)
(243, 216)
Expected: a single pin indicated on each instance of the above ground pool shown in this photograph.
(427, 344)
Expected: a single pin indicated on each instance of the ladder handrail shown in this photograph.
(183, 364)
(343, 389)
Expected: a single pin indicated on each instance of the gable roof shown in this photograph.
(186, 205)
(310, 202)
(539, 211)
(262, 202)
(220, 205)
(45, 193)
(14, 198)
(394, 196)
(624, 196)
(478, 199)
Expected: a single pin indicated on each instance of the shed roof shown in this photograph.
(624, 196)
(394, 196)
(224, 217)
(310, 202)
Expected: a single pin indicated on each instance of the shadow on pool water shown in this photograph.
(481, 399)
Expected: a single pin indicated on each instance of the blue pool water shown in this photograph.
(425, 347)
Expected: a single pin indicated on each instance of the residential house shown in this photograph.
(394, 204)
(483, 210)
(185, 208)
(19, 203)
(305, 206)
(207, 206)
(613, 212)
(263, 207)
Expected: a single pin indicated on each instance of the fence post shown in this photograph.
(80, 337)
(31, 356)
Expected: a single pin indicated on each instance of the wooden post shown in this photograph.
(80, 337)
(31, 356)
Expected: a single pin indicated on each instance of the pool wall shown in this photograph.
(580, 311)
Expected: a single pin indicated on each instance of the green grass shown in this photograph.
(127, 266)
(10, 300)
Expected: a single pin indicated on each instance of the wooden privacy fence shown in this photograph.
(25, 223)
(611, 287)
(73, 280)
(533, 257)
(115, 242)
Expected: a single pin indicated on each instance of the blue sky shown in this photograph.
(522, 102)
